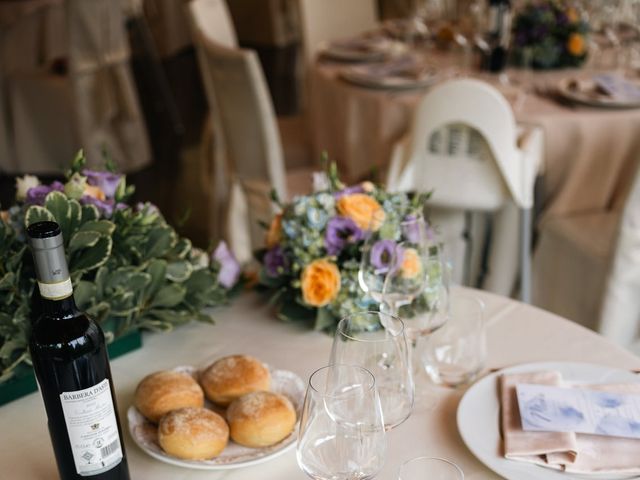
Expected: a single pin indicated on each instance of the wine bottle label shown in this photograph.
(93, 429)
(56, 291)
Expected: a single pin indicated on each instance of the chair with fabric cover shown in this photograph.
(463, 145)
(94, 105)
(325, 20)
(586, 267)
(239, 98)
(108, 112)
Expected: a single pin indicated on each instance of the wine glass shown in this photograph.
(431, 468)
(387, 253)
(377, 342)
(342, 433)
(426, 314)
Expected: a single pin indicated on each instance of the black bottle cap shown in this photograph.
(43, 230)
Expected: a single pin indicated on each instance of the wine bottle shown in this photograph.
(70, 360)
(499, 35)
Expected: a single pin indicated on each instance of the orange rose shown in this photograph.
(95, 192)
(274, 234)
(362, 209)
(576, 45)
(320, 283)
(411, 265)
(4, 216)
(572, 15)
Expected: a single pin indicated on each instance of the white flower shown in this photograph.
(24, 184)
(199, 258)
(320, 182)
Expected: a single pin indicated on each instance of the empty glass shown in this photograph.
(341, 433)
(377, 342)
(392, 269)
(430, 468)
(456, 354)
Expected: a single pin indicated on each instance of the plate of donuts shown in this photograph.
(233, 413)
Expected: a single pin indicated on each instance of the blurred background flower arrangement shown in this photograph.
(130, 269)
(550, 34)
(314, 247)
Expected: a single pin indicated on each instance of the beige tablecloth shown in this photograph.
(517, 333)
(590, 153)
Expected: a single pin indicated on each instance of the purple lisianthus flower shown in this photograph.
(105, 206)
(106, 181)
(341, 231)
(349, 191)
(36, 195)
(229, 266)
(275, 261)
(385, 256)
(412, 228)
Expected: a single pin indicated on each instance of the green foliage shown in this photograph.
(130, 271)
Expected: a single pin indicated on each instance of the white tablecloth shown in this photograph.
(517, 334)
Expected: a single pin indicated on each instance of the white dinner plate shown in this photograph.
(479, 412)
(361, 77)
(287, 383)
(583, 92)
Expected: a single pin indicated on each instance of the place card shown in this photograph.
(557, 409)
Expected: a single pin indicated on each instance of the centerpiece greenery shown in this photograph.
(130, 269)
(314, 248)
(550, 34)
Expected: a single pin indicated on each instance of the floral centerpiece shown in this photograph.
(314, 248)
(130, 270)
(550, 34)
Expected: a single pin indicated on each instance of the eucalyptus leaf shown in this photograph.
(84, 292)
(92, 257)
(157, 270)
(7, 281)
(58, 204)
(179, 271)
(169, 296)
(104, 227)
(89, 213)
(36, 214)
(82, 240)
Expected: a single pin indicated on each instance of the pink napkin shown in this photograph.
(571, 452)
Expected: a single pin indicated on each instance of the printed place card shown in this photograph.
(556, 409)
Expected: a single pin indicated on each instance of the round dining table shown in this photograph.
(517, 333)
(590, 153)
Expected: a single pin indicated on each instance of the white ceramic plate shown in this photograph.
(583, 92)
(287, 383)
(479, 412)
(359, 76)
(356, 50)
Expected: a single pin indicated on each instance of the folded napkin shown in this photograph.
(570, 452)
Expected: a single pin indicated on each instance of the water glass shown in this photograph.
(456, 354)
(377, 342)
(430, 468)
(342, 433)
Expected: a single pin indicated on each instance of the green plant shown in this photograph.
(129, 268)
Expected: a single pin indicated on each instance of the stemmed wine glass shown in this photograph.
(342, 433)
(428, 311)
(398, 251)
(377, 342)
(432, 468)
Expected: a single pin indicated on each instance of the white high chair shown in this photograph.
(463, 145)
